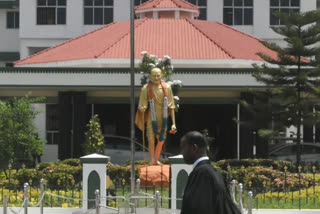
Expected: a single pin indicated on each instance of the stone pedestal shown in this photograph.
(179, 177)
(94, 176)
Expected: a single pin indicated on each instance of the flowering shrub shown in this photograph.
(149, 62)
(270, 174)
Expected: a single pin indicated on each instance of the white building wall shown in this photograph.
(40, 119)
(261, 17)
(121, 11)
(215, 10)
(33, 35)
(9, 37)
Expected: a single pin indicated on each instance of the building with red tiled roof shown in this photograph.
(90, 75)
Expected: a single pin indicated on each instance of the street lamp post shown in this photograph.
(132, 95)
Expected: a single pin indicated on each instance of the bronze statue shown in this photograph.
(156, 104)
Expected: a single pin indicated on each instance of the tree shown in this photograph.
(94, 139)
(292, 78)
(18, 136)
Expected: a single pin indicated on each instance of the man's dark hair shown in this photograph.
(195, 137)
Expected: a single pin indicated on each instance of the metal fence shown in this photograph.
(129, 204)
(278, 193)
(300, 190)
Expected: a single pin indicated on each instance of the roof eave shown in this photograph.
(125, 63)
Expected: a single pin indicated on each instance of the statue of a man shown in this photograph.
(156, 104)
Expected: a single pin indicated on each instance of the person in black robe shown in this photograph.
(206, 191)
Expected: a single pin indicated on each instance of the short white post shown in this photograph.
(97, 193)
(25, 194)
(157, 202)
(250, 202)
(42, 195)
(5, 204)
(240, 197)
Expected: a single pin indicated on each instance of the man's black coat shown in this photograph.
(206, 192)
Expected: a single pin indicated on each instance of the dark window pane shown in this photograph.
(273, 19)
(238, 16)
(193, 2)
(88, 2)
(108, 15)
(10, 20)
(52, 2)
(62, 2)
(227, 3)
(88, 16)
(286, 11)
(203, 14)
(274, 3)
(227, 16)
(98, 18)
(41, 2)
(136, 2)
(248, 16)
(9, 64)
(143, 1)
(296, 10)
(284, 2)
(248, 2)
(296, 3)
(40, 15)
(52, 117)
(61, 16)
(108, 2)
(238, 2)
(202, 2)
(318, 4)
(98, 2)
(46, 16)
(16, 19)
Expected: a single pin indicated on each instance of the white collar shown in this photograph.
(199, 160)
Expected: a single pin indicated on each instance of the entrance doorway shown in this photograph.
(218, 119)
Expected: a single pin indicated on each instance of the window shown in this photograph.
(98, 12)
(238, 12)
(138, 2)
(202, 4)
(283, 6)
(9, 64)
(52, 124)
(12, 19)
(51, 12)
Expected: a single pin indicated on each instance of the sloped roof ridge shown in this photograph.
(147, 2)
(186, 2)
(113, 44)
(212, 40)
(63, 43)
(248, 35)
(157, 2)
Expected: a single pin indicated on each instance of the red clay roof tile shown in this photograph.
(178, 38)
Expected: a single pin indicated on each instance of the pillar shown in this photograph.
(94, 176)
(179, 178)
